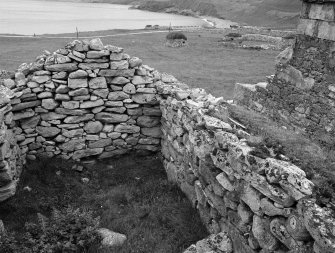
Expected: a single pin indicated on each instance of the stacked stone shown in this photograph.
(263, 204)
(11, 161)
(85, 100)
(302, 93)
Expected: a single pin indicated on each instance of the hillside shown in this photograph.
(269, 13)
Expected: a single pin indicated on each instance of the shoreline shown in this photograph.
(207, 22)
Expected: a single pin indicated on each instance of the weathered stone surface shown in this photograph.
(214, 243)
(116, 56)
(93, 127)
(77, 83)
(63, 89)
(278, 229)
(273, 192)
(96, 44)
(124, 128)
(295, 226)
(78, 74)
(91, 104)
(52, 116)
(48, 131)
(97, 54)
(147, 121)
(79, 92)
(22, 106)
(98, 83)
(212, 123)
(154, 132)
(62, 97)
(135, 62)
(93, 65)
(113, 153)
(70, 104)
(111, 117)
(49, 104)
(143, 98)
(78, 119)
(261, 231)
(45, 94)
(117, 95)
(119, 65)
(67, 67)
(23, 115)
(115, 73)
(129, 88)
(152, 111)
(224, 181)
(73, 145)
(281, 171)
(40, 79)
(30, 122)
(139, 80)
(8, 190)
(103, 93)
(119, 80)
(75, 112)
(100, 143)
(111, 239)
(252, 198)
(72, 133)
(320, 223)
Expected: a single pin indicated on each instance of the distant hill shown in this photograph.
(269, 13)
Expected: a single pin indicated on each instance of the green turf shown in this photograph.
(204, 63)
(130, 194)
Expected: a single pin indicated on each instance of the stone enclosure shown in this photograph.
(89, 101)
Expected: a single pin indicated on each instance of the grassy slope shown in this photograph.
(132, 196)
(204, 63)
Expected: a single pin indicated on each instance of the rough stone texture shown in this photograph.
(111, 239)
(80, 110)
(248, 203)
(301, 94)
(11, 157)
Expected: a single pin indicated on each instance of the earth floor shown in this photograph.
(131, 194)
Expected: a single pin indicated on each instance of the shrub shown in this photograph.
(176, 36)
(69, 230)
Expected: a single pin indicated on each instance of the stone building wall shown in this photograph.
(11, 160)
(95, 101)
(85, 100)
(301, 95)
(255, 204)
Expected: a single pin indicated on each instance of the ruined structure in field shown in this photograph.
(94, 101)
(302, 92)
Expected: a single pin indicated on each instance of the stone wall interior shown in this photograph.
(89, 101)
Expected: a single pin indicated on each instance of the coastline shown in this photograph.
(209, 21)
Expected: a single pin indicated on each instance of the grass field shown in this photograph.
(204, 63)
(130, 194)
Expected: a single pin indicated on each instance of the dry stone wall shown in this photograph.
(252, 204)
(302, 92)
(86, 100)
(89, 100)
(11, 159)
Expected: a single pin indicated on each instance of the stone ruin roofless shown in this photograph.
(94, 101)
